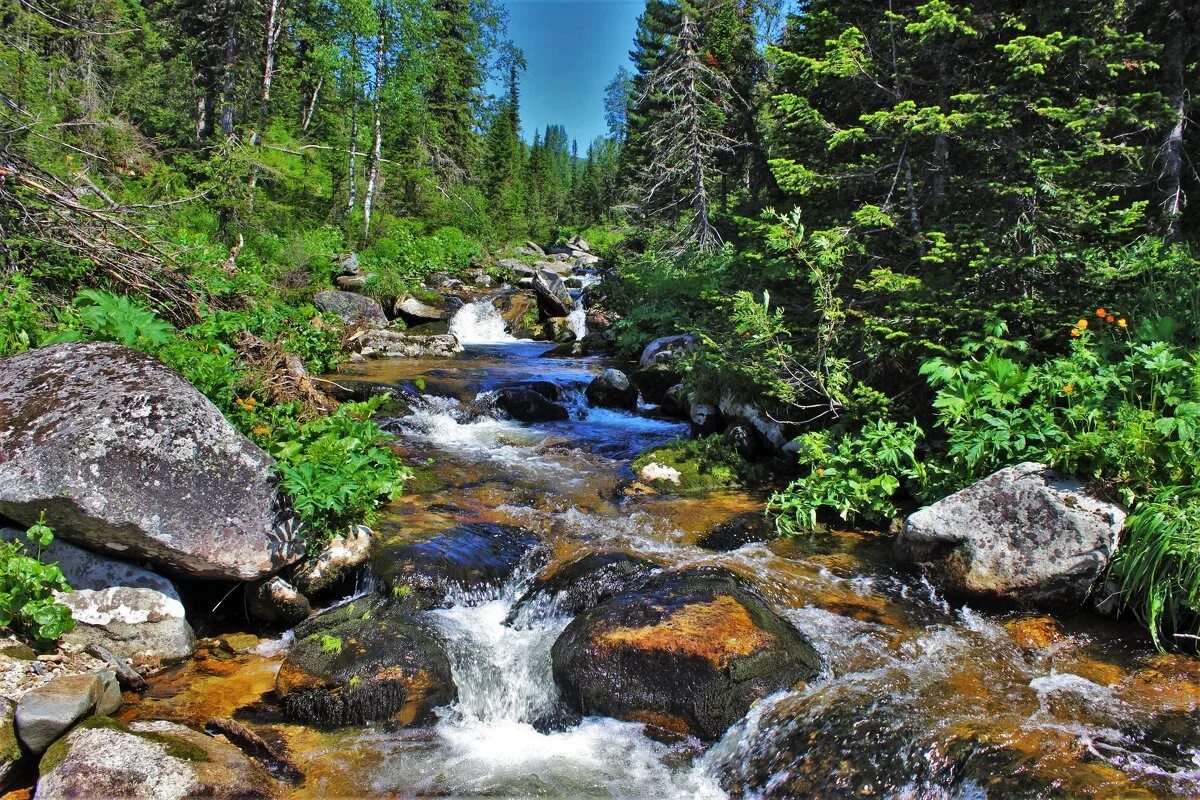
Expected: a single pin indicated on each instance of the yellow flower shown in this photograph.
(261, 430)
(1076, 332)
(1068, 388)
(1122, 323)
(1082, 324)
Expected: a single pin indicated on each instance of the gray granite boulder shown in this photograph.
(393, 344)
(128, 459)
(1025, 535)
(154, 760)
(337, 560)
(553, 298)
(354, 309)
(46, 712)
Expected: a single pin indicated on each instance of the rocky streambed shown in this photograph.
(533, 619)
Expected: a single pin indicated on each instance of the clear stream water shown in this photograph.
(919, 698)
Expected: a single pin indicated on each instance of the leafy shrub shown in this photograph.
(335, 468)
(1158, 564)
(855, 476)
(22, 321)
(27, 589)
(103, 316)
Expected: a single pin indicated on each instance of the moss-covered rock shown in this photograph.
(10, 749)
(704, 465)
(689, 653)
(154, 760)
(370, 660)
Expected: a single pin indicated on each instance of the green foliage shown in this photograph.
(331, 645)
(335, 468)
(857, 476)
(100, 315)
(27, 589)
(1158, 565)
(22, 321)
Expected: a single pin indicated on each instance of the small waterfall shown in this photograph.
(577, 319)
(480, 323)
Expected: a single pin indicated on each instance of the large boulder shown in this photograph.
(612, 389)
(132, 611)
(688, 653)
(519, 312)
(1025, 535)
(668, 349)
(655, 381)
(553, 298)
(517, 267)
(393, 344)
(336, 561)
(44, 713)
(528, 405)
(766, 431)
(471, 557)
(354, 309)
(154, 760)
(367, 661)
(127, 458)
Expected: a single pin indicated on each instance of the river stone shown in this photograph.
(553, 298)
(471, 557)
(612, 389)
(354, 309)
(337, 560)
(127, 458)
(655, 381)
(131, 611)
(353, 283)
(579, 243)
(154, 760)
(133, 623)
(668, 349)
(367, 661)
(1024, 535)
(738, 532)
(276, 601)
(10, 748)
(527, 405)
(393, 344)
(585, 583)
(519, 312)
(535, 248)
(434, 308)
(765, 430)
(45, 712)
(689, 653)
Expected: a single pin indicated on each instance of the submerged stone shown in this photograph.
(585, 583)
(368, 661)
(689, 653)
(468, 558)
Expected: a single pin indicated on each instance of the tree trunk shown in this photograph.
(273, 29)
(229, 77)
(1174, 200)
(377, 144)
(312, 105)
(352, 181)
(201, 118)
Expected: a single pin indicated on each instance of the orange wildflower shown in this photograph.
(1110, 319)
(1076, 332)
(1068, 388)
(1100, 312)
(1082, 324)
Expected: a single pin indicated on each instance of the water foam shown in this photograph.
(480, 323)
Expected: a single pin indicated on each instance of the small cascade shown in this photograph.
(480, 323)
(577, 320)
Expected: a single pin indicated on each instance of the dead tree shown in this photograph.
(687, 137)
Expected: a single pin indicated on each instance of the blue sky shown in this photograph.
(573, 48)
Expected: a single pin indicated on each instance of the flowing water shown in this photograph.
(919, 698)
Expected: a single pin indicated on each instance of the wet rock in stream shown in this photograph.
(470, 557)
(367, 661)
(584, 584)
(687, 654)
